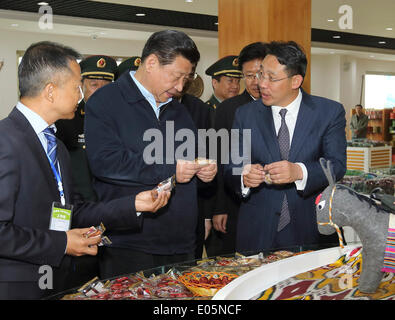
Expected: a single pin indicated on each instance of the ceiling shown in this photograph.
(117, 19)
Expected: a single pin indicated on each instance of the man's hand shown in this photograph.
(207, 172)
(207, 228)
(185, 170)
(78, 244)
(219, 222)
(151, 200)
(253, 175)
(282, 172)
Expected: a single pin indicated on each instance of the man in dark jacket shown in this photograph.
(134, 133)
(227, 204)
(37, 206)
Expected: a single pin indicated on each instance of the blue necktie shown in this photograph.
(51, 146)
(283, 142)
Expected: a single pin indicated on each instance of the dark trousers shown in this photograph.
(119, 261)
(82, 269)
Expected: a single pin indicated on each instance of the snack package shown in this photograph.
(268, 180)
(104, 241)
(203, 161)
(96, 232)
(166, 185)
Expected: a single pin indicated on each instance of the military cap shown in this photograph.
(98, 67)
(130, 64)
(227, 66)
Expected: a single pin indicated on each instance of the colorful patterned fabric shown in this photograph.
(336, 281)
(389, 256)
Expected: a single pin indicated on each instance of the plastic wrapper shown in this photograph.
(204, 161)
(166, 185)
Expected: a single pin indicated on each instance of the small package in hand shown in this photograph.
(268, 179)
(204, 161)
(94, 231)
(167, 185)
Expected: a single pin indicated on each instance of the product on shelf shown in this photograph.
(365, 183)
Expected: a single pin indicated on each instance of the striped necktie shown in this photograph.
(49, 134)
(283, 142)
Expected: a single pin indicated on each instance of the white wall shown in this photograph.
(339, 77)
(12, 41)
(324, 69)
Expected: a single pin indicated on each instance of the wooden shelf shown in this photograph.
(383, 123)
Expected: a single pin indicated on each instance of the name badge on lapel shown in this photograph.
(60, 217)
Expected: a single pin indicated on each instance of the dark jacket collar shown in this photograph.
(37, 150)
(127, 85)
(305, 121)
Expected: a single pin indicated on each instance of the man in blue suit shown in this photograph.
(290, 131)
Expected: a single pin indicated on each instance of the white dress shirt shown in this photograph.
(290, 119)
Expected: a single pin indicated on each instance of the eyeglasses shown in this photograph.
(250, 77)
(259, 75)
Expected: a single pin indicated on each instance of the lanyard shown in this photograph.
(58, 180)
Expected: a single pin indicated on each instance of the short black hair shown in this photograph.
(168, 44)
(289, 54)
(252, 51)
(41, 63)
(359, 105)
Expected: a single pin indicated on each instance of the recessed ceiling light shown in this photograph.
(388, 29)
(330, 20)
(189, 1)
(371, 56)
(336, 37)
(140, 14)
(42, 3)
(332, 52)
(14, 25)
(382, 42)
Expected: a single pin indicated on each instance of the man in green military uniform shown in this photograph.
(225, 78)
(96, 71)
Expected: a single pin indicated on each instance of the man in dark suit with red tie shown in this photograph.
(280, 177)
(37, 207)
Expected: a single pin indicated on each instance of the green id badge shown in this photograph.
(60, 217)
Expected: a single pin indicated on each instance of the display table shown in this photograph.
(367, 158)
(175, 281)
(250, 285)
